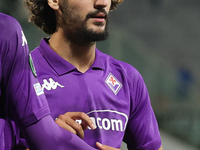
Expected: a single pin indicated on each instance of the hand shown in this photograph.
(68, 122)
(105, 147)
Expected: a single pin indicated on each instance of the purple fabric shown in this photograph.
(20, 102)
(2, 141)
(111, 92)
(18, 95)
(12, 138)
(53, 137)
(18, 99)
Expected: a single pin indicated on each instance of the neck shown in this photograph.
(81, 56)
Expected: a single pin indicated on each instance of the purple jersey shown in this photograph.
(12, 138)
(111, 92)
(20, 100)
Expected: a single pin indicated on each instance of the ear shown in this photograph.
(54, 4)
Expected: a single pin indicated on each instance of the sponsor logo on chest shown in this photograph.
(108, 120)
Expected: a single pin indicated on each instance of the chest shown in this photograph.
(103, 95)
(95, 93)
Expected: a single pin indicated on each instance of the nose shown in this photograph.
(99, 4)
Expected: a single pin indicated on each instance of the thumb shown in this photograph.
(105, 147)
(100, 146)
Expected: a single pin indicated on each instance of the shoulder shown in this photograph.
(13, 43)
(124, 68)
(8, 25)
(36, 56)
(12, 36)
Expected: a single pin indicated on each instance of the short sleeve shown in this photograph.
(20, 99)
(142, 129)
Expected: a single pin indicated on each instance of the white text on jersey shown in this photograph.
(108, 124)
(24, 41)
(51, 85)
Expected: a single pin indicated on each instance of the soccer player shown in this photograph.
(22, 99)
(77, 77)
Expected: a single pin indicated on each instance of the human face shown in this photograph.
(85, 20)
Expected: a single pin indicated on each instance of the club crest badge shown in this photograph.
(113, 83)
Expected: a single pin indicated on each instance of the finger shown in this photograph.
(86, 121)
(105, 147)
(65, 126)
(70, 124)
(85, 126)
(99, 145)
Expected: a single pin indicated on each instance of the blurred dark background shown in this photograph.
(160, 38)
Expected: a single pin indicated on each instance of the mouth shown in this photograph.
(99, 15)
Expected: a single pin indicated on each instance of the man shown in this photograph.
(71, 69)
(23, 101)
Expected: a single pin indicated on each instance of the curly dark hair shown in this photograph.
(44, 17)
